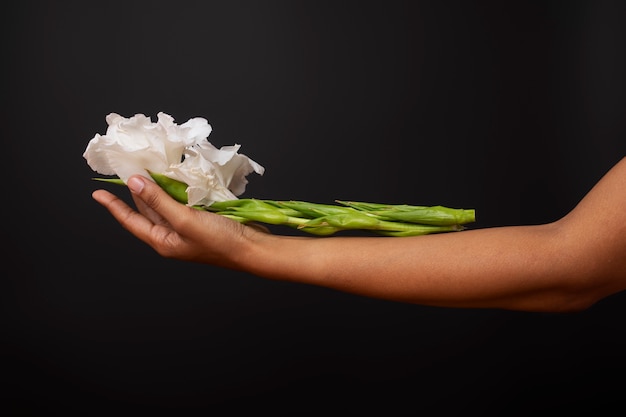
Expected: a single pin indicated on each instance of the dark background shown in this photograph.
(513, 108)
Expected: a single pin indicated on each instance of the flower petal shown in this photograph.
(205, 184)
(136, 145)
(234, 166)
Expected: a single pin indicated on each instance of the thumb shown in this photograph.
(152, 197)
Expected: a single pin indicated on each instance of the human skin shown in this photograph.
(564, 266)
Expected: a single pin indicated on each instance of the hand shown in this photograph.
(177, 231)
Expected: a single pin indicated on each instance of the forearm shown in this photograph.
(566, 265)
(508, 267)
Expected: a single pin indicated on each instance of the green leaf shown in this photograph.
(117, 181)
(419, 230)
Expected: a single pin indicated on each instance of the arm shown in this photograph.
(567, 265)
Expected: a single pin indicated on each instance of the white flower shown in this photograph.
(138, 146)
(213, 174)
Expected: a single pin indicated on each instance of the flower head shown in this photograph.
(213, 174)
(137, 145)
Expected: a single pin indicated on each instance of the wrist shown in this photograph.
(271, 256)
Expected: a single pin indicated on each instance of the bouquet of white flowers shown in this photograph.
(189, 168)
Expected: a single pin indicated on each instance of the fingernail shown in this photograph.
(135, 184)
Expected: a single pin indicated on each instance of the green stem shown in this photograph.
(325, 219)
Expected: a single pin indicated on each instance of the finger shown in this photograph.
(134, 222)
(144, 209)
(153, 200)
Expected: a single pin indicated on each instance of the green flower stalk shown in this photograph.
(328, 219)
(435, 215)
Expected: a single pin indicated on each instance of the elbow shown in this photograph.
(582, 291)
(561, 301)
(574, 303)
(586, 269)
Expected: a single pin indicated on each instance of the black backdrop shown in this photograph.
(513, 108)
